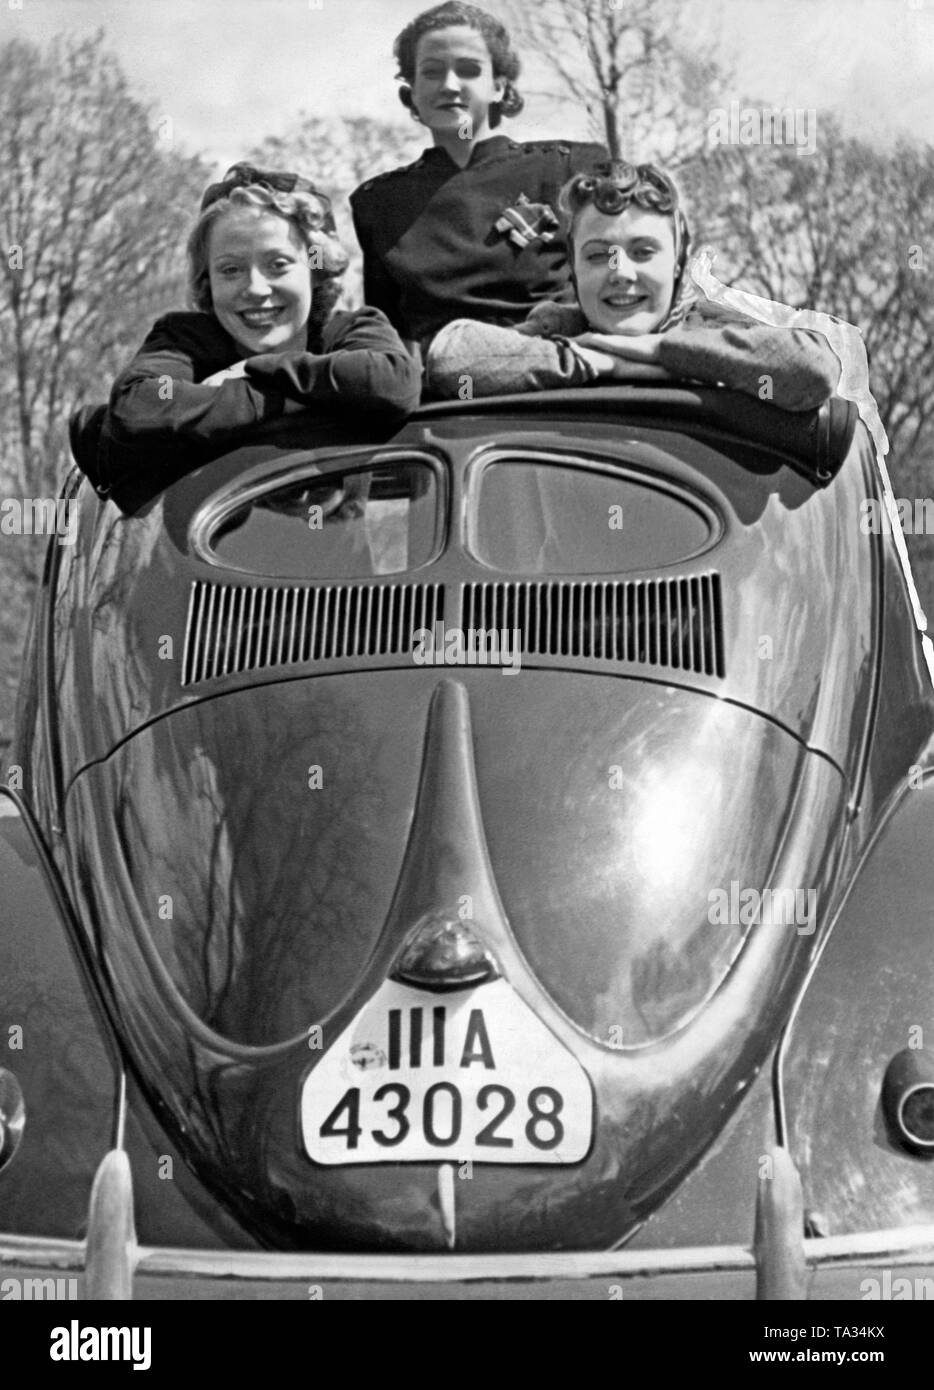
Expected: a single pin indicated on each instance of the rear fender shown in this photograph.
(871, 996)
(52, 1039)
(56, 1040)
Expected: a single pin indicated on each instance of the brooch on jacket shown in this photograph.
(527, 222)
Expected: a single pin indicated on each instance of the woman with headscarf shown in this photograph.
(637, 315)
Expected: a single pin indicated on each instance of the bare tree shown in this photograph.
(94, 204)
(848, 230)
(645, 78)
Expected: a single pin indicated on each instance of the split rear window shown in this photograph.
(546, 517)
(337, 525)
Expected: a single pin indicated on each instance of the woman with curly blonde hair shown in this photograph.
(263, 338)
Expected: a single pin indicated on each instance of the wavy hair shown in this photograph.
(309, 213)
(505, 60)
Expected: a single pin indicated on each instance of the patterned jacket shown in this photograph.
(794, 368)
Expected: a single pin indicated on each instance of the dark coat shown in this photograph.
(431, 248)
(163, 421)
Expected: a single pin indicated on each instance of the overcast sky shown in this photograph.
(230, 72)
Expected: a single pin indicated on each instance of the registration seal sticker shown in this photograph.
(471, 1074)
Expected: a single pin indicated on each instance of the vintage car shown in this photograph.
(494, 859)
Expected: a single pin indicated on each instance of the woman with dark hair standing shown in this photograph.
(471, 228)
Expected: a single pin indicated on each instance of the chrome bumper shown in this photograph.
(836, 1266)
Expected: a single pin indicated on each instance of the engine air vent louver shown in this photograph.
(234, 628)
(675, 623)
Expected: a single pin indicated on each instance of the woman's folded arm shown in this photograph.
(160, 394)
(468, 358)
(795, 368)
(363, 363)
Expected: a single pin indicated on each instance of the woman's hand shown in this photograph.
(634, 347)
(233, 373)
(611, 366)
(236, 373)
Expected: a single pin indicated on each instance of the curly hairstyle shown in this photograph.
(309, 213)
(495, 35)
(615, 186)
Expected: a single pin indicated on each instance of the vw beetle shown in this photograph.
(501, 851)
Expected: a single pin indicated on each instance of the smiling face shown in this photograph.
(260, 280)
(625, 268)
(454, 85)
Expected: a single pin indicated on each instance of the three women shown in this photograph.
(465, 258)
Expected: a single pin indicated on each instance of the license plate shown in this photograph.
(426, 1076)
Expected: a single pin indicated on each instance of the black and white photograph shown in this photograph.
(466, 694)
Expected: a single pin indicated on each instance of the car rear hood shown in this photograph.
(247, 923)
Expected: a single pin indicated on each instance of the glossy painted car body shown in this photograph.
(256, 811)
